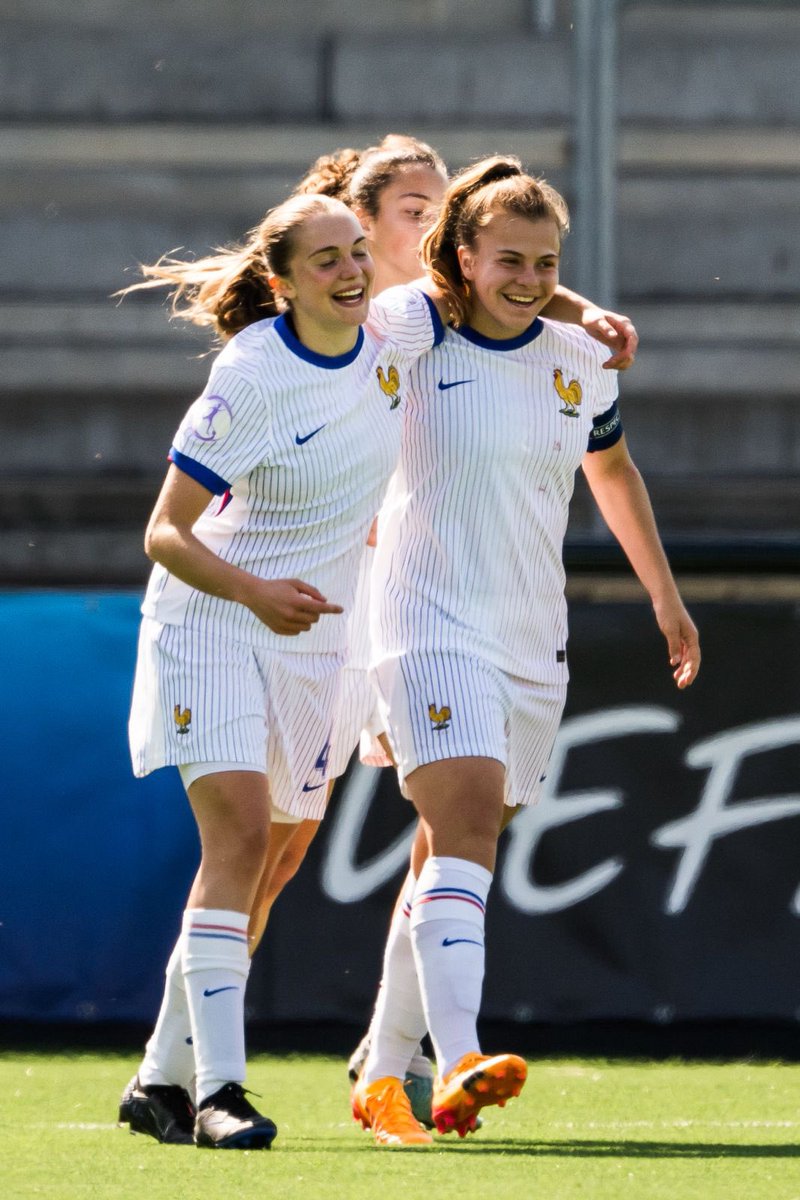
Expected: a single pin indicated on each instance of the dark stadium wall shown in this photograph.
(657, 881)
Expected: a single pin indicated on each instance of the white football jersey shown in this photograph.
(469, 555)
(297, 449)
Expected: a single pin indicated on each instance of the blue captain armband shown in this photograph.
(202, 475)
(606, 429)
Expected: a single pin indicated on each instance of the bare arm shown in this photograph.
(612, 329)
(286, 606)
(622, 498)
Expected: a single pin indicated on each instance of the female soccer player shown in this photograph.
(395, 189)
(469, 617)
(276, 474)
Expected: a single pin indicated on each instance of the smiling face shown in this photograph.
(328, 282)
(512, 272)
(406, 208)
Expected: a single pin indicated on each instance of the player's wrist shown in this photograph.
(244, 588)
(666, 599)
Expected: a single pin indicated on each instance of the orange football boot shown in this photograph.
(476, 1081)
(384, 1108)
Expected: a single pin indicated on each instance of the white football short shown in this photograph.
(357, 719)
(438, 705)
(201, 698)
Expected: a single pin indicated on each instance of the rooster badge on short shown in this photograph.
(440, 717)
(571, 393)
(183, 719)
(390, 384)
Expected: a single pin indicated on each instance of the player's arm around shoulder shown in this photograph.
(394, 296)
(621, 496)
(411, 315)
(613, 330)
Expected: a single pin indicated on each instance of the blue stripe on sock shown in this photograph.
(228, 937)
(460, 891)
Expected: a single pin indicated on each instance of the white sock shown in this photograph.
(447, 921)
(398, 1022)
(420, 1063)
(215, 967)
(169, 1055)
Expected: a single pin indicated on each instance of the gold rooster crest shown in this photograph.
(182, 719)
(390, 385)
(440, 717)
(571, 394)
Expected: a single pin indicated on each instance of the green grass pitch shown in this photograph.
(594, 1129)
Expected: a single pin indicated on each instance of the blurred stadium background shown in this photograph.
(129, 129)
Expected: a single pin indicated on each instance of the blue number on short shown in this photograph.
(322, 762)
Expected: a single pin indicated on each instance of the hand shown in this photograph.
(683, 642)
(288, 606)
(614, 331)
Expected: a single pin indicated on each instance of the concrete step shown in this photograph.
(683, 62)
(70, 360)
(92, 433)
(690, 504)
(63, 502)
(706, 508)
(679, 63)
(289, 148)
(678, 238)
(68, 530)
(719, 434)
(112, 73)
(107, 200)
(73, 558)
(299, 16)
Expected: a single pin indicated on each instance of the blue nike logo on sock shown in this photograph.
(301, 441)
(213, 991)
(444, 387)
(454, 941)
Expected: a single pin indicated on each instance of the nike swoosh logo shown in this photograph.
(455, 941)
(313, 787)
(214, 991)
(301, 441)
(445, 387)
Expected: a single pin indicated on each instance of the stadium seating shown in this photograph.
(129, 130)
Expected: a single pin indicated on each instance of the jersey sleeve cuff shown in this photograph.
(203, 475)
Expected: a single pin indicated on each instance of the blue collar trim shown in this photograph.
(436, 320)
(522, 339)
(330, 362)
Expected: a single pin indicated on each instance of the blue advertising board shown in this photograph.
(657, 880)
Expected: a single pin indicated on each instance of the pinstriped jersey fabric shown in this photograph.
(469, 555)
(297, 449)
